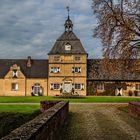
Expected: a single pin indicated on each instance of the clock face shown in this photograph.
(67, 47)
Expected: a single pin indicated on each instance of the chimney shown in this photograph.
(29, 62)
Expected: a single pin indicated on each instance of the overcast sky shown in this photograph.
(30, 27)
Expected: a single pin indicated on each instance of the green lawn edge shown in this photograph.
(86, 99)
(19, 108)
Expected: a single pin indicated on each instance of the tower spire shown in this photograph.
(68, 9)
(68, 23)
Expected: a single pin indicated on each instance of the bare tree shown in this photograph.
(118, 27)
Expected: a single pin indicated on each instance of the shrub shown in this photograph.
(130, 93)
(136, 93)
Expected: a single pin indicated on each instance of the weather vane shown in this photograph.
(68, 10)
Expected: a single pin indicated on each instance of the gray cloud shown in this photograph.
(30, 27)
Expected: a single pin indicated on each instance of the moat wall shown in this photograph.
(44, 126)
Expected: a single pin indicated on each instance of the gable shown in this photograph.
(68, 38)
(14, 72)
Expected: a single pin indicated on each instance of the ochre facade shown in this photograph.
(66, 73)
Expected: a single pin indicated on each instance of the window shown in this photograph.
(100, 86)
(57, 58)
(55, 86)
(14, 86)
(15, 73)
(76, 70)
(55, 69)
(79, 86)
(67, 47)
(37, 90)
(77, 58)
(138, 87)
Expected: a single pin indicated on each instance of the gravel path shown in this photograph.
(100, 122)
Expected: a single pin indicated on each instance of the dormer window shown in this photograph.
(67, 47)
(15, 73)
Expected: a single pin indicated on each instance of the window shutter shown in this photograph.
(40, 90)
(73, 69)
(52, 86)
(58, 69)
(60, 86)
(13, 74)
(51, 70)
(82, 86)
(16, 86)
(79, 70)
(16, 73)
(32, 89)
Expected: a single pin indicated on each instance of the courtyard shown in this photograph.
(100, 122)
(90, 118)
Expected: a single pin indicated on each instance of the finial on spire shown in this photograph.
(68, 9)
(68, 23)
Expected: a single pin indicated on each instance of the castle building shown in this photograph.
(67, 71)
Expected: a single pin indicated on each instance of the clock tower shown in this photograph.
(67, 64)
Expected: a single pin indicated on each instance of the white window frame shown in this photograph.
(100, 86)
(55, 86)
(76, 70)
(55, 70)
(14, 86)
(137, 87)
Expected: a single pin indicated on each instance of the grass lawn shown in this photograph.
(13, 116)
(87, 99)
(19, 108)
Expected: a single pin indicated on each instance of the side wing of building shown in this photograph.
(121, 81)
(23, 77)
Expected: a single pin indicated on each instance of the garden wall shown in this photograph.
(44, 126)
(134, 108)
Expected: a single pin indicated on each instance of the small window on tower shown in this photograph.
(77, 58)
(67, 47)
(57, 58)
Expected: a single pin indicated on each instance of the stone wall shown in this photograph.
(44, 126)
(44, 105)
(134, 109)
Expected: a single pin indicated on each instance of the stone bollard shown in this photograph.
(134, 109)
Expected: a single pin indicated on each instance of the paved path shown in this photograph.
(100, 122)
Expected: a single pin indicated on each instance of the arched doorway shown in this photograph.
(37, 90)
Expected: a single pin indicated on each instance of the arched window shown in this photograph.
(37, 90)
